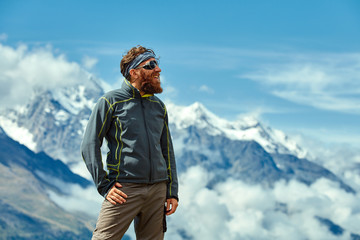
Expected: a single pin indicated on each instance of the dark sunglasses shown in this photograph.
(149, 65)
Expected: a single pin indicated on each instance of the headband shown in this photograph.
(139, 59)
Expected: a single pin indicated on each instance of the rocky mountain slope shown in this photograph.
(244, 149)
(51, 126)
(27, 212)
(53, 120)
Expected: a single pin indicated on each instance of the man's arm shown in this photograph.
(169, 156)
(98, 125)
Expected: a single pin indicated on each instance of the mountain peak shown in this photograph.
(197, 106)
(195, 115)
(246, 128)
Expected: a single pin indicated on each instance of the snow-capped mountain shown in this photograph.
(54, 121)
(246, 129)
(243, 149)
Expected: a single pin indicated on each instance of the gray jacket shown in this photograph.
(137, 132)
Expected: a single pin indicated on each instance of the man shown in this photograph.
(141, 180)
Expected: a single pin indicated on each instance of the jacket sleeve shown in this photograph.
(168, 153)
(97, 127)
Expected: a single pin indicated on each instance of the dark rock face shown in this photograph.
(246, 160)
(56, 120)
(12, 153)
(26, 210)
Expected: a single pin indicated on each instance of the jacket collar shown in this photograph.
(131, 90)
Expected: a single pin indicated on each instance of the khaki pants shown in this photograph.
(144, 205)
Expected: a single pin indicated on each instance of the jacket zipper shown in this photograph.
(148, 138)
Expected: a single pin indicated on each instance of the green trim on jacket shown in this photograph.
(138, 137)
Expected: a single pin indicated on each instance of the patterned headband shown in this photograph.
(139, 59)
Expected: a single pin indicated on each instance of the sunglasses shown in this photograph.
(149, 65)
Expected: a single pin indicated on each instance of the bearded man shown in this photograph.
(140, 183)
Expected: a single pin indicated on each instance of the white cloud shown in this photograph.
(235, 210)
(343, 159)
(74, 198)
(323, 81)
(80, 200)
(206, 89)
(21, 134)
(89, 62)
(22, 69)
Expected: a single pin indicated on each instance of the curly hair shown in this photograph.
(131, 55)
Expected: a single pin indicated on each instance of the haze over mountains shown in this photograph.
(246, 170)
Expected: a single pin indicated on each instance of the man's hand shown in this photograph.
(115, 195)
(171, 205)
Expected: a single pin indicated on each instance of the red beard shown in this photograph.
(150, 85)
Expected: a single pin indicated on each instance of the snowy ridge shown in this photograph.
(63, 114)
(247, 128)
(19, 134)
(76, 98)
(54, 120)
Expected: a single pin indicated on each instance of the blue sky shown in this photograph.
(293, 64)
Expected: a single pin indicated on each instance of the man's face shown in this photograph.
(150, 79)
